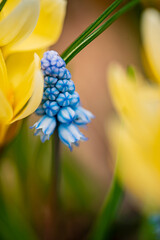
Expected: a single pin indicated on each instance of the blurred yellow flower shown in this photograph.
(28, 27)
(136, 136)
(150, 29)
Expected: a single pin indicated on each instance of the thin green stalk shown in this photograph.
(92, 27)
(109, 212)
(55, 187)
(56, 165)
(2, 4)
(97, 32)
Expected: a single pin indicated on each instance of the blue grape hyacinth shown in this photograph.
(60, 107)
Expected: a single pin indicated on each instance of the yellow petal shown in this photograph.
(149, 73)
(137, 166)
(6, 112)
(9, 7)
(4, 84)
(122, 90)
(136, 102)
(137, 136)
(22, 69)
(48, 28)
(151, 40)
(20, 23)
(138, 171)
(36, 95)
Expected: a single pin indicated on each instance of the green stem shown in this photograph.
(56, 164)
(108, 213)
(92, 27)
(97, 32)
(2, 4)
(55, 186)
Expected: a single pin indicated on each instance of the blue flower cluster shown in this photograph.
(60, 106)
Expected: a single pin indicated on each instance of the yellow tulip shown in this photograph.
(28, 28)
(136, 135)
(150, 29)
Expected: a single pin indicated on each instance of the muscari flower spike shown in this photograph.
(60, 107)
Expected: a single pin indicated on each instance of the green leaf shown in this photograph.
(108, 214)
(2, 4)
(92, 27)
(84, 42)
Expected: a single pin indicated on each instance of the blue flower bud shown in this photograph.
(45, 85)
(66, 115)
(75, 100)
(71, 86)
(64, 73)
(64, 99)
(48, 71)
(49, 55)
(51, 93)
(51, 108)
(50, 81)
(62, 85)
(44, 98)
(65, 86)
(44, 64)
(60, 62)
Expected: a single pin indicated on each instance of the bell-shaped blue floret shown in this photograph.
(45, 127)
(70, 134)
(66, 115)
(51, 108)
(82, 116)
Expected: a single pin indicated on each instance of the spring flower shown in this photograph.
(60, 106)
(28, 27)
(136, 135)
(150, 29)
